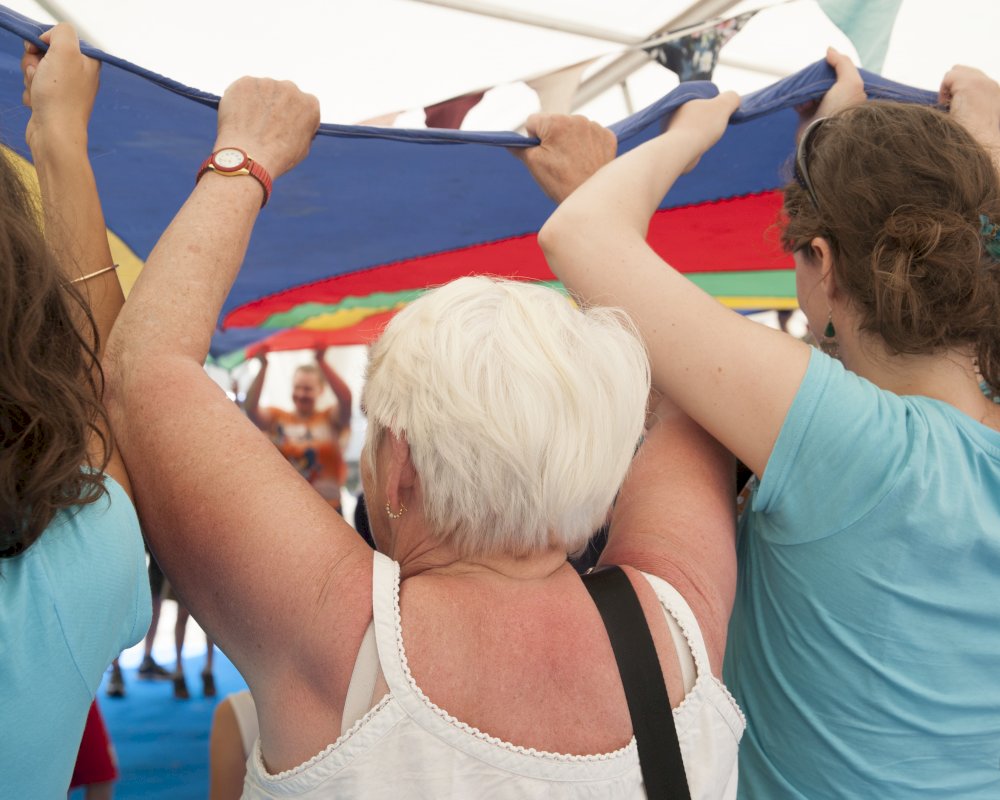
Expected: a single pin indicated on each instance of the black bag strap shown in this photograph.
(639, 667)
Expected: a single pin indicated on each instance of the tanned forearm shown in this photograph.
(74, 223)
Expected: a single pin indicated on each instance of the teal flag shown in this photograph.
(867, 23)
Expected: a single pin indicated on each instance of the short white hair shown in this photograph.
(522, 412)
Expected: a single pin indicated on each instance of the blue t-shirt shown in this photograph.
(68, 605)
(864, 645)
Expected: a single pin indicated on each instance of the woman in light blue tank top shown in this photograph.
(73, 590)
(863, 644)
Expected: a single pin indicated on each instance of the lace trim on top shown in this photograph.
(289, 773)
(704, 675)
(473, 731)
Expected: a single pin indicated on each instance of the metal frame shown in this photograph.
(618, 71)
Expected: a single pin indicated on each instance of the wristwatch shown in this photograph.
(231, 161)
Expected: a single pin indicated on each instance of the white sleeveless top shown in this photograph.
(405, 746)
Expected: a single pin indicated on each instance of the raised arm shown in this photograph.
(269, 569)
(675, 518)
(258, 416)
(342, 418)
(60, 87)
(734, 377)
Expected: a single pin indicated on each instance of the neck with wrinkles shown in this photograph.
(420, 553)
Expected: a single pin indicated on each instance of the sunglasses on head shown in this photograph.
(802, 159)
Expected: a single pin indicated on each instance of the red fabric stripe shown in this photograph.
(518, 257)
(727, 235)
(724, 236)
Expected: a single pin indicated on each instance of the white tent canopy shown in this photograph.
(364, 58)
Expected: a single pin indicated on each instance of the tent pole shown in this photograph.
(627, 96)
(618, 71)
(55, 10)
(736, 63)
(535, 20)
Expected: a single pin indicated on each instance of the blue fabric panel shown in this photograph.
(370, 196)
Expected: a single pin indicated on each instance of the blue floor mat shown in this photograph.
(162, 743)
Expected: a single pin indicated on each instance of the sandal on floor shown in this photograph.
(116, 684)
(180, 687)
(149, 670)
(208, 684)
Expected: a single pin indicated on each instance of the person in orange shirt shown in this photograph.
(311, 439)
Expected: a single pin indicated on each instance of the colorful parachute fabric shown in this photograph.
(374, 216)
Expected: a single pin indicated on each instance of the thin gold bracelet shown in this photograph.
(83, 278)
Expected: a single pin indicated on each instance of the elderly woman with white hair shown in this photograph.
(466, 657)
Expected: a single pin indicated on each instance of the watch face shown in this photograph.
(229, 159)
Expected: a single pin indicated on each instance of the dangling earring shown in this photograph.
(388, 510)
(829, 344)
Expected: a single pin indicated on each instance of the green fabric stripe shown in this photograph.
(229, 360)
(755, 283)
(377, 301)
(752, 283)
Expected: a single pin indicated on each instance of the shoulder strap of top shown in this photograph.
(678, 609)
(689, 671)
(246, 719)
(385, 615)
(362, 685)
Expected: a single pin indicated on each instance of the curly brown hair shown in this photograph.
(899, 193)
(50, 379)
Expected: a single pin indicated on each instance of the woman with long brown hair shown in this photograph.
(73, 590)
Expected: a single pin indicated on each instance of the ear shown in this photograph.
(822, 254)
(400, 476)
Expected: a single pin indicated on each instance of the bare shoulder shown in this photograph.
(471, 647)
(226, 757)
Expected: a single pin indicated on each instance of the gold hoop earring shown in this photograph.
(388, 510)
